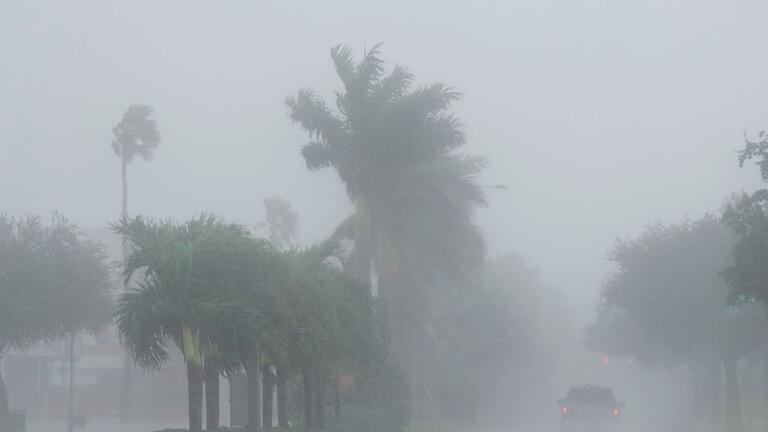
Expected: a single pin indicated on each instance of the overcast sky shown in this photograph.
(600, 116)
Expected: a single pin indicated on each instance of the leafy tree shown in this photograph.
(395, 148)
(668, 301)
(53, 283)
(135, 135)
(758, 151)
(747, 276)
(188, 295)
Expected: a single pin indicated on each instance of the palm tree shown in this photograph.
(395, 149)
(281, 222)
(135, 135)
(188, 294)
(309, 302)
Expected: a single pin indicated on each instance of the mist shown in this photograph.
(599, 120)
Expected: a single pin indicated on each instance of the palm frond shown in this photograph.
(314, 116)
(344, 63)
(136, 134)
(391, 87)
(316, 156)
(426, 100)
(370, 69)
(142, 321)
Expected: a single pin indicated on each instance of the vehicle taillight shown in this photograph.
(616, 412)
(565, 410)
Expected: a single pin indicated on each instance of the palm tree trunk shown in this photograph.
(211, 377)
(282, 397)
(698, 390)
(254, 405)
(337, 399)
(125, 396)
(195, 396)
(124, 166)
(267, 395)
(362, 255)
(308, 420)
(733, 416)
(319, 415)
(71, 408)
(765, 378)
(715, 392)
(5, 412)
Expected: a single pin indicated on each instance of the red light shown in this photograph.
(605, 360)
(616, 412)
(565, 410)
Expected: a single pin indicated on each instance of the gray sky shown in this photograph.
(601, 116)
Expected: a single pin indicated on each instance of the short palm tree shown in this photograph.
(187, 295)
(135, 135)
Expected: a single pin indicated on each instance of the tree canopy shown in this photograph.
(53, 283)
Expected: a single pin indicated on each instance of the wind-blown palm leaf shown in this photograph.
(391, 88)
(193, 277)
(136, 134)
(142, 320)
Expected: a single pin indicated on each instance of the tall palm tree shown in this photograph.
(395, 149)
(135, 135)
(187, 294)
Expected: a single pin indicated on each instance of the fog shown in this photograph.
(599, 117)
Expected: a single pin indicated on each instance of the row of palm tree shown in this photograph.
(396, 149)
(229, 301)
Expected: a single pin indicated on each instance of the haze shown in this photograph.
(599, 117)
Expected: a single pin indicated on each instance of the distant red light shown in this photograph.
(616, 412)
(605, 360)
(565, 410)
